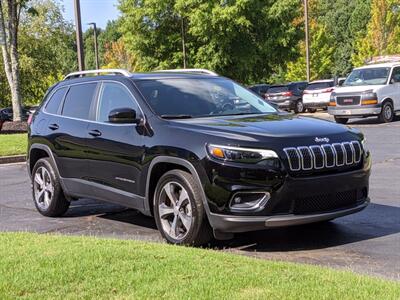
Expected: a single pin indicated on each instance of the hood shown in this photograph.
(277, 128)
(355, 89)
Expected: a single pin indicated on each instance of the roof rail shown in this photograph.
(200, 71)
(97, 72)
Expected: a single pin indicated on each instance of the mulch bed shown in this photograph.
(13, 127)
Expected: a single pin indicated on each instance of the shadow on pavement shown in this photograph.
(376, 221)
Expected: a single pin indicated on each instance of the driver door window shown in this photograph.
(113, 96)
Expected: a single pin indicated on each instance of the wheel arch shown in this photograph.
(38, 151)
(159, 166)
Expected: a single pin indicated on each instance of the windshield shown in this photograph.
(278, 89)
(320, 85)
(368, 76)
(188, 97)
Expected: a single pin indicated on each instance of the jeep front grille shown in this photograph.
(327, 156)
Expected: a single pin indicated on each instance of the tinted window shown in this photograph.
(278, 89)
(78, 100)
(320, 85)
(201, 97)
(396, 74)
(114, 95)
(55, 101)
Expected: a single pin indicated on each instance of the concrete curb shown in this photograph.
(12, 159)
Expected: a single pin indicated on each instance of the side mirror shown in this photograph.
(123, 116)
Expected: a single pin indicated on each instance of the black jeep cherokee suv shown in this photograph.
(200, 153)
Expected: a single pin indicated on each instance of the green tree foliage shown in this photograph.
(46, 50)
(321, 56)
(345, 21)
(245, 39)
(383, 35)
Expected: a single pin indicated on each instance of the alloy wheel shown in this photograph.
(175, 211)
(387, 112)
(43, 188)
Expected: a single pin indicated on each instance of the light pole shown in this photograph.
(96, 51)
(183, 41)
(79, 40)
(307, 41)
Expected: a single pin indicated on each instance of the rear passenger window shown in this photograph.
(54, 103)
(78, 101)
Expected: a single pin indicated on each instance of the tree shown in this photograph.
(383, 35)
(243, 39)
(321, 56)
(46, 49)
(10, 12)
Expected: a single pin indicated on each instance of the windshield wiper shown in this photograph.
(182, 116)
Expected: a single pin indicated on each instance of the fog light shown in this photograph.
(249, 201)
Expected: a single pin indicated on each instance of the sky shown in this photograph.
(98, 11)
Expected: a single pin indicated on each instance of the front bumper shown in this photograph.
(354, 111)
(225, 223)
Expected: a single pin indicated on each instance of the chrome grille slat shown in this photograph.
(316, 157)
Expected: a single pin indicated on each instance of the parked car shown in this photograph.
(199, 153)
(260, 89)
(288, 96)
(317, 94)
(372, 90)
(6, 114)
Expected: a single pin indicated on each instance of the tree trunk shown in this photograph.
(9, 34)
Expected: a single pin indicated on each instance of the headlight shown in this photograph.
(238, 154)
(332, 97)
(369, 98)
(365, 145)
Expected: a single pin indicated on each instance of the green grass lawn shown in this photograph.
(13, 144)
(47, 266)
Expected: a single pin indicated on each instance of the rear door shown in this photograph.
(69, 130)
(115, 150)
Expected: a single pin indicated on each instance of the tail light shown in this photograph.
(287, 94)
(30, 118)
(328, 90)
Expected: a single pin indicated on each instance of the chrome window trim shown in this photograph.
(96, 99)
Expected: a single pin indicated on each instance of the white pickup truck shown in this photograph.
(371, 90)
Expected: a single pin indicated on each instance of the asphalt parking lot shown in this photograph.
(367, 242)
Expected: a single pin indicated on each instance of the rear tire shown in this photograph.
(387, 113)
(341, 120)
(312, 110)
(179, 210)
(47, 192)
(299, 106)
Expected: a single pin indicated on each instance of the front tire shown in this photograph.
(341, 120)
(179, 210)
(299, 107)
(312, 110)
(47, 193)
(387, 113)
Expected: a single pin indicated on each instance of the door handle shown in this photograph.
(95, 133)
(53, 126)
